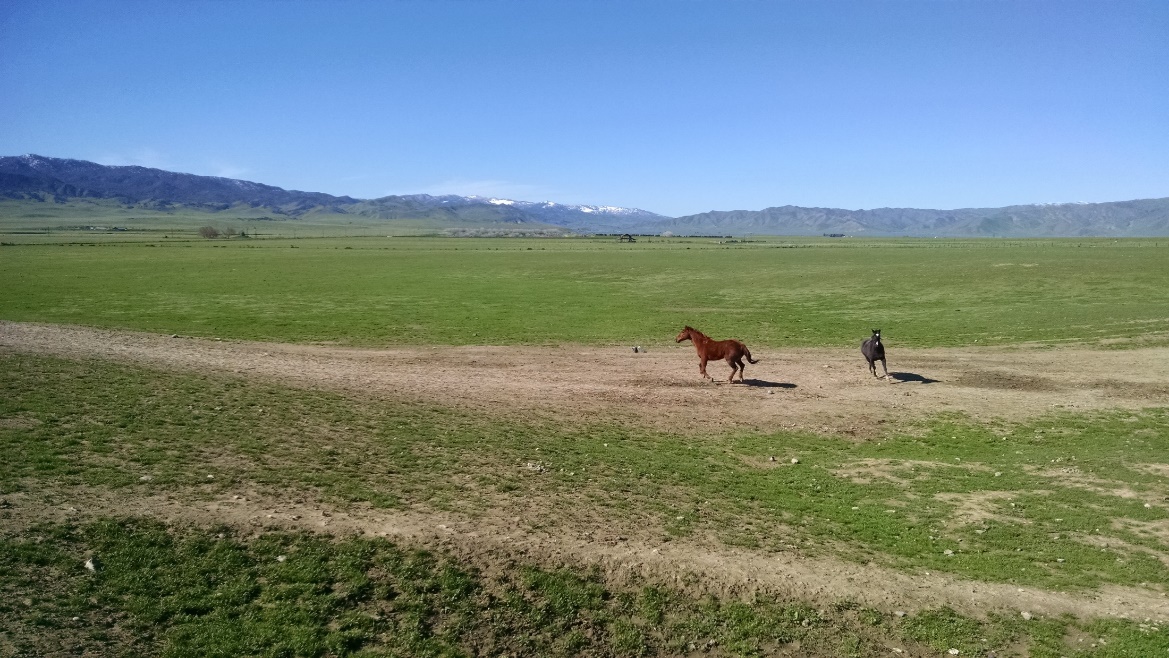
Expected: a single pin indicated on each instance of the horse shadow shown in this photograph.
(763, 383)
(912, 377)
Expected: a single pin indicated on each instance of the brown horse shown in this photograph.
(732, 351)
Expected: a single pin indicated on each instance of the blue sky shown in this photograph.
(675, 107)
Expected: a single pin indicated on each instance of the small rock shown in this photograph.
(771, 459)
(1025, 615)
(899, 613)
(953, 652)
(174, 335)
(93, 564)
(998, 473)
(795, 461)
(1147, 505)
(146, 478)
(210, 477)
(948, 552)
(77, 619)
(281, 558)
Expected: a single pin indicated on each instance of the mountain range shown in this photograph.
(58, 180)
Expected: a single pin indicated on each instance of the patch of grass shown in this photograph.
(777, 292)
(203, 592)
(191, 591)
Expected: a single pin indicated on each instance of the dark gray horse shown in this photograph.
(874, 351)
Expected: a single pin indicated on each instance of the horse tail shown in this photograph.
(748, 353)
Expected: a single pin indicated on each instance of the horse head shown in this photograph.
(684, 334)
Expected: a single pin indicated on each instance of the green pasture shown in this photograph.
(107, 221)
(774, 292)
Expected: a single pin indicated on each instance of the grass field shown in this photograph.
(1067, 502)
(501, 292)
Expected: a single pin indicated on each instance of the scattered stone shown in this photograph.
(953, 652)
(1147, 505)
(93, 564)
(998, 473)
(795, 461)
(771, 459)
(281, 558)
(1025, 615)
(210, 477)
(146, 478)
(948, 552)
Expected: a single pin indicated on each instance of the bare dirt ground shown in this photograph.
(817, 389)
(826, 390)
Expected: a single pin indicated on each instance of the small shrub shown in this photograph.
(209, 232)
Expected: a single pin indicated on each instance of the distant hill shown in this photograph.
(34, 177)
(56, 180)
(1145, 217)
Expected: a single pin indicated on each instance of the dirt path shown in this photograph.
(820, 389)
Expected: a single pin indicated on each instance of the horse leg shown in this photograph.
(742, 368)
(886, 369)
(731, 363)
(702, 368)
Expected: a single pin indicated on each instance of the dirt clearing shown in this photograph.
(822, 390)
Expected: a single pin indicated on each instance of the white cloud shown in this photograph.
(142, 157)
(227, 170)
(488, 188)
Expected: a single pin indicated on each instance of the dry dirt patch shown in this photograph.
(824, 390)
(866, 471)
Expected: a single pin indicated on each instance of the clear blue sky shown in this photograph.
(675, 107)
